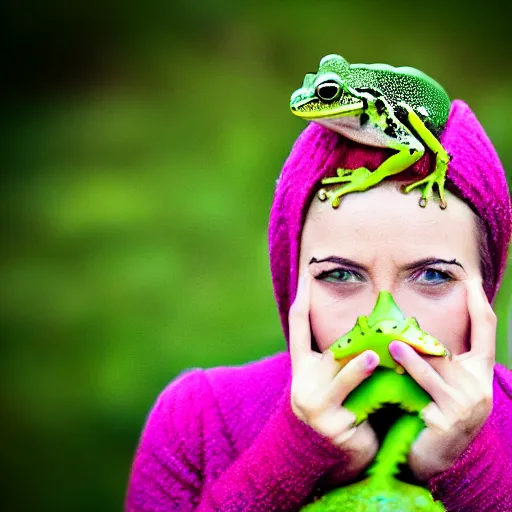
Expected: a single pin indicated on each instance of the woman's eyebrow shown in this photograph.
(340, 261)
(432, 261)
(416, 264)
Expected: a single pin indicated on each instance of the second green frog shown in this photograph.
(382, 490)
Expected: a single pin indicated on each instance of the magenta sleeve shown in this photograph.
(175, 467)
(481, 478)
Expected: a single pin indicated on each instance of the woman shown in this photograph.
(268, 435)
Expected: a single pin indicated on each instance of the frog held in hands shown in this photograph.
(381, 491)
(378, 105)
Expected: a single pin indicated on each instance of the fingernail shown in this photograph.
(370, 360)
(396, 350)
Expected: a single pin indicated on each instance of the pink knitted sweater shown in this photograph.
(226, 439)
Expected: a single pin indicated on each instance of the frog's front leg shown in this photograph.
(355, 178)
(438, 176)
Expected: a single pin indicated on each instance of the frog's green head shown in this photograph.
(325, 94)
(385, 324)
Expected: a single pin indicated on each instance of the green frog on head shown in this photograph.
(377, 105)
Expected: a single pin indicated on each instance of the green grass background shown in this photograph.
(140, 147)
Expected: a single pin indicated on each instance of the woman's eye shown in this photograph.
(433, 276)
(339, 276)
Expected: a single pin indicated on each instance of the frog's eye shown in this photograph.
(328, 91)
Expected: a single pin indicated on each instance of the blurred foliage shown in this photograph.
(141, 144)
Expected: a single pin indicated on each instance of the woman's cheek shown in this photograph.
(330, 319)
(456, 327)
(446, 319)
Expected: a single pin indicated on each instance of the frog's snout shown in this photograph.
(299, 99)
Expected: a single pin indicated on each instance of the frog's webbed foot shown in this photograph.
(356, 180)
(437, 177)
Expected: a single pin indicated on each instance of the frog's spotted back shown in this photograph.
(366, 496)
(421, 92)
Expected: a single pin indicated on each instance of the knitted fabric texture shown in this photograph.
(227, 440)
(475, 174)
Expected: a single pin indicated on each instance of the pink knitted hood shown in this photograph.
(475, 174)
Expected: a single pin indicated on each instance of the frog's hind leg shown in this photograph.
(438, 176)
(361, 179)
(398, 137)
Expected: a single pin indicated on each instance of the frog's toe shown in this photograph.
(426, 193)
(344, 172)
(322, 194)
(336, 201)
(406, 188)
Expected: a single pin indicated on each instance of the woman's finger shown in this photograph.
(340, 426)
(425, 375)
(351, 375)
(298, 321)
(483, 322)
(455, 374)
(435, 419)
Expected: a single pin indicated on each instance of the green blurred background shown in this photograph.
(141, 144)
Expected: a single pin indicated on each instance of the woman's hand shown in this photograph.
(320, 385)
(461, 390)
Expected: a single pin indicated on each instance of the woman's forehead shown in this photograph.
(386, 201)
(385, 215)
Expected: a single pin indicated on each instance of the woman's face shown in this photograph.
(382, 240)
